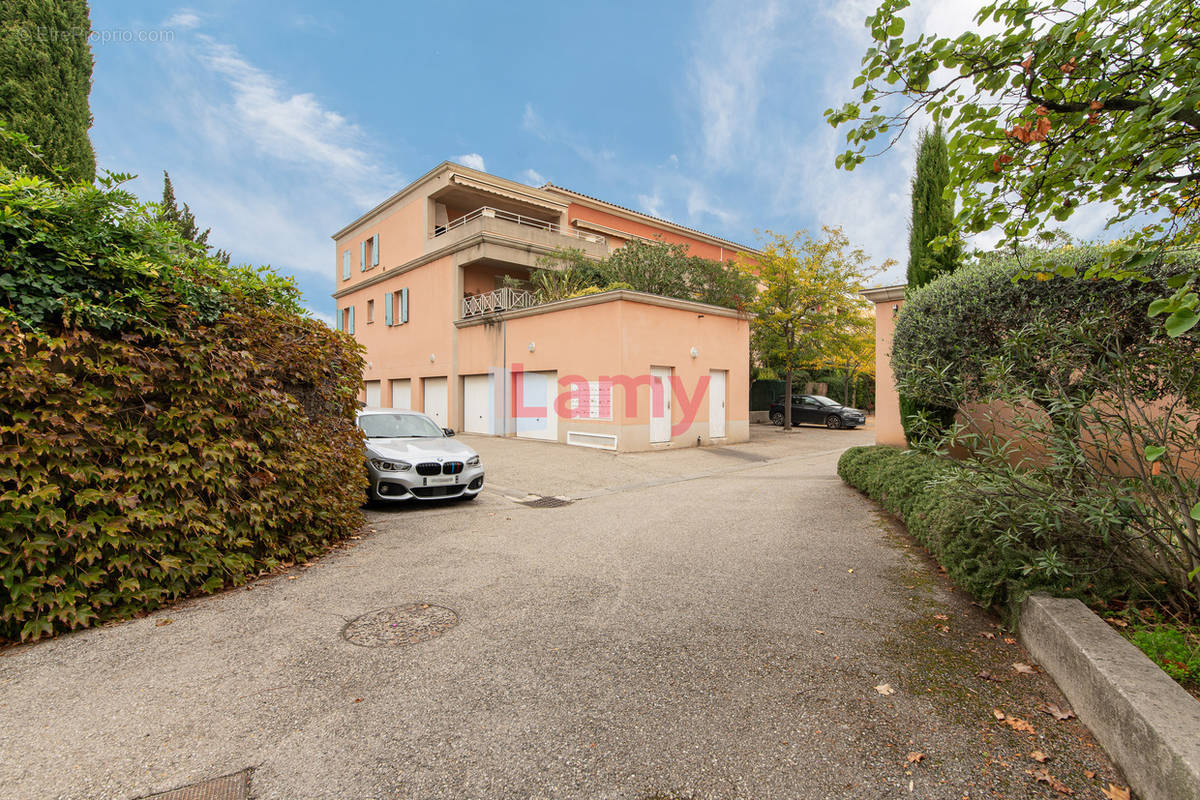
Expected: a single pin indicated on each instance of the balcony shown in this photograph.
(505, 299)
(494, 219)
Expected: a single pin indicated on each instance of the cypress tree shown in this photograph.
(184, 220)
(45, 79)
(932, 216)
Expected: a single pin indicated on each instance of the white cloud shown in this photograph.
(472, 160)
(321, 316)
(533, 177)
(559, 134)
(295, 128)
(728, 74)
(271, 170)
(650, 204)
(183, 19)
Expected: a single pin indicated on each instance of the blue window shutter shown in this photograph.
(351, 319)
(346, 265)
(362, 256)
(387, 308)
(375, 250)
(404, 305)
(337, 313)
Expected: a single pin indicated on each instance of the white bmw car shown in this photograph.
(410, 458)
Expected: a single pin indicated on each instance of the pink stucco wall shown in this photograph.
(888, 429)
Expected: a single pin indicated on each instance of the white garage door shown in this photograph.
(401, 393)
(478, 415)
(660, 404)
(372, 391)
(435, 400)
(535, 415)
(716, 404)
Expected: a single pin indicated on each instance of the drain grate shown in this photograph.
(399, 626)
(227, 787)
(539, 501)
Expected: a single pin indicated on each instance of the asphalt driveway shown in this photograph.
(717, 623)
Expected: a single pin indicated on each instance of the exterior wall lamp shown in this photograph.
(695, 352)
(532, 347)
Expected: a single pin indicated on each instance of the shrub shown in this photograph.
(1081, 415)
(950, 331)
(167, 425)
(939, 503)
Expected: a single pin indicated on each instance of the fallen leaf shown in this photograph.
(162, 622)
(291, 577)
(818, 630)
(1114, 792)
(1039, 756)
(1024, 669)
(1058, 713)
(1009, 640)
(1120, 623)
(1087, 773)
(358, 699)
(1018, 724)
(943, 628)
(885, 688)
(987, 634)
(987, 676)
(940, 616)
(1042, 776)
(916, 758)
(998, 714)
(850, 571)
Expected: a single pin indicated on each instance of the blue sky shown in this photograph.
(280, 123)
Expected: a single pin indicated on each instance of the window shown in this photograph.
(395, 307)
(346, 318)
(370, 311)
(368, 253)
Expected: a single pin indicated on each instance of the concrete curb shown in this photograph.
(1148, 724)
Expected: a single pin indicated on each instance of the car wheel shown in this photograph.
(833, 421)
(777, 418)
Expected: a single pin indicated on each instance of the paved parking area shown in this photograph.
(718, 623)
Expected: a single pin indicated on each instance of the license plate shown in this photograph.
(441, 480)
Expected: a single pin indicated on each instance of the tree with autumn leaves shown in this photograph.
(1053, 105)
(809, 309)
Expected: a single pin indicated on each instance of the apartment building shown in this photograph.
(421, 284)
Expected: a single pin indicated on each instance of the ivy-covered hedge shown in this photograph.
(932, 497)
(167, 425)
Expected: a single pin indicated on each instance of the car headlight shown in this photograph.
(473, 461)
(390, 466)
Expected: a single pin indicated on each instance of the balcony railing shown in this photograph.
(496, 213)
(504, 299)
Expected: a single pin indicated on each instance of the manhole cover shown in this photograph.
(398, 626)
(537, 501)
(227, 787)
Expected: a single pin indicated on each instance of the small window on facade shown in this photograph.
(370, 311)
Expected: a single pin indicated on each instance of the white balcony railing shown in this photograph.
(496, 213)
(504, 299)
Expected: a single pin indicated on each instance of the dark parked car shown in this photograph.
(817, 409)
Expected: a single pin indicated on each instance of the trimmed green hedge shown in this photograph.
(932, 497)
